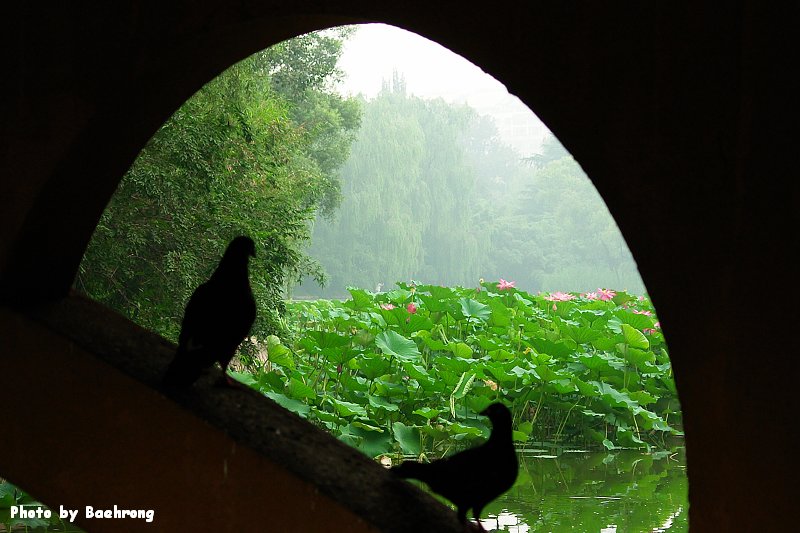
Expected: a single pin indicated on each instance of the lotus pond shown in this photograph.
(405, 372)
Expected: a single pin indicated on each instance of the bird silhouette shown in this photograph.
(473, 478)
(217, 319)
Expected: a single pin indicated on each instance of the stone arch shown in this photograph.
(660, 111)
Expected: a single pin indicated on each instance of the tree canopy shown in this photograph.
(431, 193)
(393, 189)
(256, 152)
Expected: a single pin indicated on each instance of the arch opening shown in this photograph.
(627, 318)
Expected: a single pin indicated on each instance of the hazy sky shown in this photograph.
(432, 71)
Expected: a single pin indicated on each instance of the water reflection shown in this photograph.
(623, 491)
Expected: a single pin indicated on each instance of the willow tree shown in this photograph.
(408, 192)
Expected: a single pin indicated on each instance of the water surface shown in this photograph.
(620, 491)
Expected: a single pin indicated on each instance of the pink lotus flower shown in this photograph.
(388, 307)
(605, 294)
(657, 324)
(559, 296)
(590, 295)
(649, 331)
(646, 313)
(505, 285)
(411, 308)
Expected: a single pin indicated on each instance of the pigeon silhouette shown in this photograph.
(217, 319)
(473, 478)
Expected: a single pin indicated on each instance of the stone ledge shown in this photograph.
(342, 475)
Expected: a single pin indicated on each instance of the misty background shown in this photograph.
(452, 179)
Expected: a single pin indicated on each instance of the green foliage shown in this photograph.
(304, 71)
(406, 191)
(578, 244)
(430, 192)
(416, 365)
(256, 152)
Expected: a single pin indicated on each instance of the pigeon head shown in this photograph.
(242, 246)
(498, 414)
